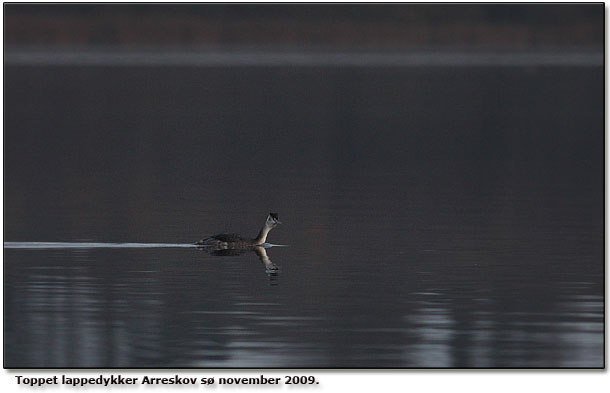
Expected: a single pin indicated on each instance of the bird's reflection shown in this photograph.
(270, 268)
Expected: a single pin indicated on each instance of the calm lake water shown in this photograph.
(434, 216)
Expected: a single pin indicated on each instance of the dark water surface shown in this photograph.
(435, 217)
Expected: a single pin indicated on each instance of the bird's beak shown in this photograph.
(278, 222)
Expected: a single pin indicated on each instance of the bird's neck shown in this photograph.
(262, 235)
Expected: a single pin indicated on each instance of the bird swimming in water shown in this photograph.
(232, 241)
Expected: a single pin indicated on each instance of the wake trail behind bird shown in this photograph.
(64, 245)
(46, 245)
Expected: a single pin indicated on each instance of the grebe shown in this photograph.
(232, 241)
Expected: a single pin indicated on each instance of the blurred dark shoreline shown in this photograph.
(346, 26)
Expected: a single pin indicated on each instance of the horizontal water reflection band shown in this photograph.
(47, 245)
(312, 59)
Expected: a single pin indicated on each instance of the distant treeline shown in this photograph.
(352, 25)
